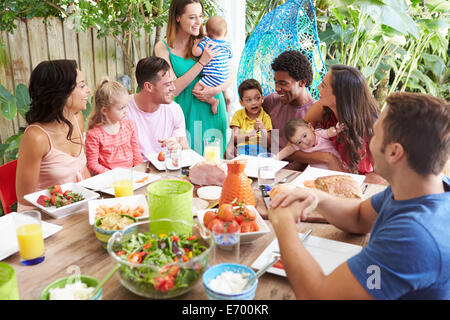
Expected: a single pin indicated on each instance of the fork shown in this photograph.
(275, 257)
(303, 240)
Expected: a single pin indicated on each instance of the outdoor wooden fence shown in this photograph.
(34, 41)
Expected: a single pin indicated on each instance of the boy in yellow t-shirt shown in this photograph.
(250, 126)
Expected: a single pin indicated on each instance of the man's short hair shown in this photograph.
(421, 124)
(248, 85)
(296, 64)
(147, 69)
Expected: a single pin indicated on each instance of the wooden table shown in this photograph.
(76, 244)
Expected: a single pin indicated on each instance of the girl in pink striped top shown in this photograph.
(111, 140)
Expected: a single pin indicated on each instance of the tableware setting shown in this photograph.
(177, 262)
(199, 204)
(210, 193)
(227, 243)
(328, 253)
(104, 182)
(247, 237)
(61, 283)
(188, 158)
(254, 163)
(65, 210)
(274, 259)
(312, 173)
(8, 235)
(135, 206)
(226, 281)
(29, 237)
(103, 231)
(212, 150)
(122, 182)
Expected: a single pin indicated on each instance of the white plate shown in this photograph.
(132, 201)
(188, 158)
(8, 236)
(312, 173)
(68, 209)
(328, 253)
(251, 169)
(199, 204)
(209, 192)
(103, 181)
(248, 236)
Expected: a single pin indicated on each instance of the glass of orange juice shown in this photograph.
(123, 182)
(212, 150)
(29, 237)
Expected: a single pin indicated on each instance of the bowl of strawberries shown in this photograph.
(251, 223)
(61, 200)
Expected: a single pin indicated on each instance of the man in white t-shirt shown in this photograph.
(159, 120)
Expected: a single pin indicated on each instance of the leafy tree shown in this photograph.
(121, 20)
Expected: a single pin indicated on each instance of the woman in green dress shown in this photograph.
(183, 27)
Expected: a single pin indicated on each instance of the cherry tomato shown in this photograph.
(249, 214)
(249, 226)
(279, 264)
(239, 218)
(208, 217)
(216, 225)
(225, 212)
(231, 227)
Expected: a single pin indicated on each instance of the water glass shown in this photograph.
(173, 163)
(123, 182)
(266, 170)
(227, 240)
(29, 237)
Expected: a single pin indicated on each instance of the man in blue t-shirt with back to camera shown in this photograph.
(408, 254)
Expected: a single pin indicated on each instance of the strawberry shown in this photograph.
(53, 199)
(42, 200)
(55, 189)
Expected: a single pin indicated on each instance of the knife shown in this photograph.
(265, 192)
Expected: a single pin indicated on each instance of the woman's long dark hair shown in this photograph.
(356, 108)
(51, 84)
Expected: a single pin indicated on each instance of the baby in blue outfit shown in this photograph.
(218, 69)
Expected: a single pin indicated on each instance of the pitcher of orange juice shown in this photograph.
(29, 237)
(212, 150)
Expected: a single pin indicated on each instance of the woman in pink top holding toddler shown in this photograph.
(111, 140)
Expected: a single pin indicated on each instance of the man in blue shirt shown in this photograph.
(408, 254)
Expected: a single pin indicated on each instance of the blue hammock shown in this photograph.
(291, 26)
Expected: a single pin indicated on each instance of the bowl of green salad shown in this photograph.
(159, 263)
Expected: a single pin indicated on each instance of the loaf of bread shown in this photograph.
(339, 185)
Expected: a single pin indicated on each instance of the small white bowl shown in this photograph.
(214, 271)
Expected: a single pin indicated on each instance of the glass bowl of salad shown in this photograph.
(161, 265)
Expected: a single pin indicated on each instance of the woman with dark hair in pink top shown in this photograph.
(51, 150)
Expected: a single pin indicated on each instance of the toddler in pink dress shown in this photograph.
(302, 136)
(111, 140)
